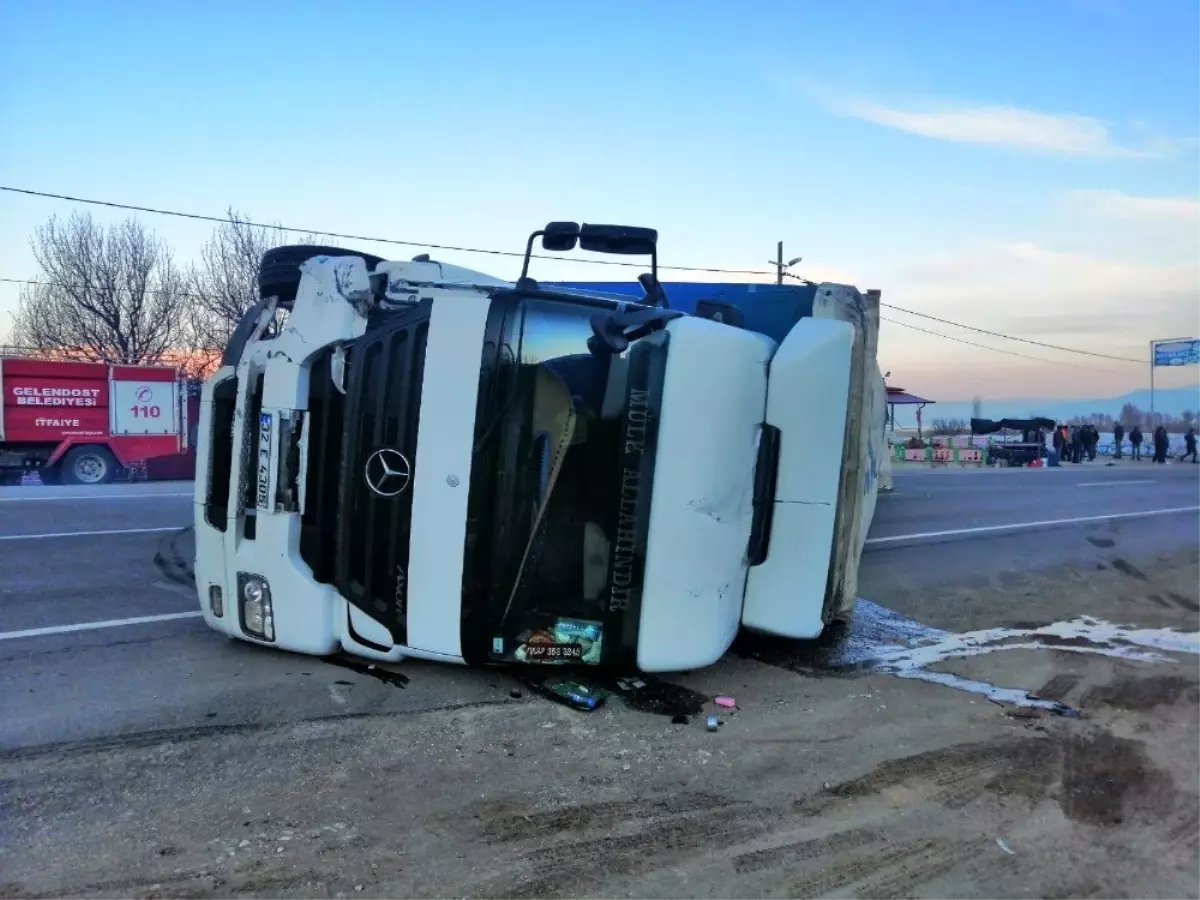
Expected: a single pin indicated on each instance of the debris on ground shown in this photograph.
(573, 692)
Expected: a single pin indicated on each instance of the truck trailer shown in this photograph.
(426, 461)
(78, 422)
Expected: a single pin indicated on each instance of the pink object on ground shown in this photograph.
(726, 702)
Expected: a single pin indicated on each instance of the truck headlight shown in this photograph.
(254, 604)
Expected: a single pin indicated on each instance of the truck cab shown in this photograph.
(427, 461)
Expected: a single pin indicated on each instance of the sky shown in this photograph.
(1028, 167)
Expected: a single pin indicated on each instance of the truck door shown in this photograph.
(807, 400)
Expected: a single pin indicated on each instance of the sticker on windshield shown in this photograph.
(571, 629)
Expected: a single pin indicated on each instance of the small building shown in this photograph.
(899, 397)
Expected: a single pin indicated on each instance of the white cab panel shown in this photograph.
(442, 472)
(714, 396)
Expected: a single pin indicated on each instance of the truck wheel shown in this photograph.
(279, 270)
(88, 465)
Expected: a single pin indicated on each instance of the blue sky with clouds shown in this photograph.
(1028, 167)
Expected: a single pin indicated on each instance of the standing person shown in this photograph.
(1135, 441)
(1059, 443)
(1160, 444)
(1118, 436)
(1076, 444)
(1189, 444)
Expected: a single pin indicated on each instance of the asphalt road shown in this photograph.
(70, 559)
(943, 530)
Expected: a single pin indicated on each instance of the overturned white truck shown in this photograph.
(424, 461)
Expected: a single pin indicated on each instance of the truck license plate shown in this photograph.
(266, 429)
(554, 652)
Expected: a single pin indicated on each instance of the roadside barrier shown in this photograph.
(941, 456)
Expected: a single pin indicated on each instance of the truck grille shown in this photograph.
(247, 505)
(318, 524)
(220, 442)
(352, 537)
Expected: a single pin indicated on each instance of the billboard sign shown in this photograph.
(1185, 352)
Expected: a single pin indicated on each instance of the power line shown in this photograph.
(1010, 337)
(33, 282)
(950, 337)
(592, 262)
(199, 217)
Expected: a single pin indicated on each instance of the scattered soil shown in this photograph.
(1133, 693)
(815, 786)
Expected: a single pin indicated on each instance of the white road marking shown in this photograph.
(180, 589)
(92, 626)
(1017, 526)
(67, 534)
(1008, 471)
(92, 497)
(1110, 483)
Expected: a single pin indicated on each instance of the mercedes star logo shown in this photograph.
(387, 472)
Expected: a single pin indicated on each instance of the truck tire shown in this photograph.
(279, 270)
(88, 465)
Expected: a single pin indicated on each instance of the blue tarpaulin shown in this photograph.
(770, 309)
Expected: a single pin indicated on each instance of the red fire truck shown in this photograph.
(79, 422)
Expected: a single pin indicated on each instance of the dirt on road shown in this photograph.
(818, 784)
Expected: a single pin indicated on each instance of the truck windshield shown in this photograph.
(560, 488)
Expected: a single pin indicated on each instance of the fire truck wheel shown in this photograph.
(279, 271)
(88, 465)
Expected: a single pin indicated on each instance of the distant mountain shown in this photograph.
(1172, 401)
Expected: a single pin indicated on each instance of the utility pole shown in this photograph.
(781, 267)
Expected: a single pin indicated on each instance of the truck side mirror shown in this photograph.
(623, 240)
(559, 237)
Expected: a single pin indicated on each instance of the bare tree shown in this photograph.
(224, 284)
(105, 293)
(950, 426)
(977, 407)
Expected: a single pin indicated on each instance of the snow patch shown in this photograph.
(885, 641)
